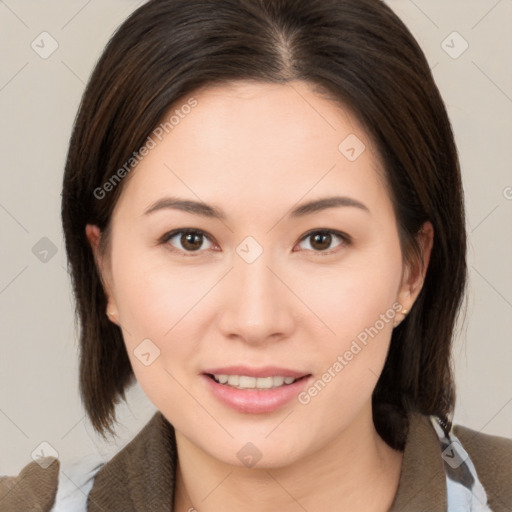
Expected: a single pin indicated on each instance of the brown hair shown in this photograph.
(364, 56)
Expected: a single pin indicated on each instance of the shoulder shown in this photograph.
(492, 458)
(34, 488)
(50, 485)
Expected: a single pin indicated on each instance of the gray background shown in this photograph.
(39, 399)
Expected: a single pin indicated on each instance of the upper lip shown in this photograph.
(265, 371)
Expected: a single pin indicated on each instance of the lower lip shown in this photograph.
(256, 401)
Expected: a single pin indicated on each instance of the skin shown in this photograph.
(257, 150)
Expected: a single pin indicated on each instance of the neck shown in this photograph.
(337, 477)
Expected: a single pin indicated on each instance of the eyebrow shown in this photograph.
(206, 210)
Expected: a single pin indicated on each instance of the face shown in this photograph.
(264, 290)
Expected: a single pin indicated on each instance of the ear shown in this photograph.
(93, 234)
(413, 276)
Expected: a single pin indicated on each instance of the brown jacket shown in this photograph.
(140, 477)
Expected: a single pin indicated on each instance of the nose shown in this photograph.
(257, 304)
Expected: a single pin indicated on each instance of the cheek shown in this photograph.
(150, 301)
(349, 363)
(156, 305)
(350, 298)
(357, 306)
(161, 331)
(148, 294)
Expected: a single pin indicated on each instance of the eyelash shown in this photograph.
(168, 236)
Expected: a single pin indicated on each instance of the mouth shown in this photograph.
(255, 390)
(250, 382)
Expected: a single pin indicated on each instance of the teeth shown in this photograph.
(245, 382)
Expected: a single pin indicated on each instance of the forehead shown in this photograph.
(258, 144)
(264, 110)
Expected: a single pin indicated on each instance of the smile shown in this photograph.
(246, 382)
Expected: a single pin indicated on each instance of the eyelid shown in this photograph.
(347, 240)
(340, 234)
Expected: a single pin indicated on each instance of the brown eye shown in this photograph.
(321, 240)
(190, 240)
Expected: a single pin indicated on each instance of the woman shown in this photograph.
(264, 220)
